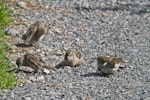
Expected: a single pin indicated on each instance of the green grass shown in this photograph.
(7, 79)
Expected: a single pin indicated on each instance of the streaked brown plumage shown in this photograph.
(34, 33)
(109, 65)
(73, 58)
(31, 61)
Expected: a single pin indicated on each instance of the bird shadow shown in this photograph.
(16, 70)
(60, 65)
(132, 8)
(23, 45)
(94, 74)
(128, 7)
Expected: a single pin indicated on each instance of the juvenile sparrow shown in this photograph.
(31, 61)
(72, 59)
(34, 33)
(109, 65)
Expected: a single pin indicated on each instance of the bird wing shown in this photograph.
(32, 60)
(39, 32)
(30, 32)
(108, 65)
(117, 60)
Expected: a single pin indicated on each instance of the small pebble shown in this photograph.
(40, 78)
(46, 7)
(12, 32)
(28, 98)
(46, 71)
(32, 78)
(22, 4)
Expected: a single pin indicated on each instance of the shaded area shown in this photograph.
(118, 6)
(23, 45)
(95, 74)
(60, 65)
(16, 70)
(129, 7)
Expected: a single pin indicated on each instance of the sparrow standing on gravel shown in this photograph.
(34, 33)
(109, 65)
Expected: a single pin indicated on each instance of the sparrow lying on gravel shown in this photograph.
(34, 62)
(109, 65)
(34, 33)
(72, 59)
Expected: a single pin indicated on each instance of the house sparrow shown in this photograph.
(72, 59)
(34, 62)
(109, 65)
(34, 33)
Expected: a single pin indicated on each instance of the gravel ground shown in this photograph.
(94, 27)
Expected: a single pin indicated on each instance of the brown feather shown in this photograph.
(34, 33)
